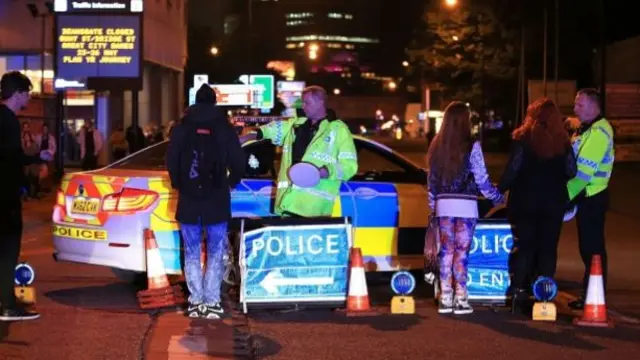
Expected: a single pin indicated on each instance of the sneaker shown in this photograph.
(462, 307)
(192, 310)
(445, 304)
(211, 311)
(18, 314)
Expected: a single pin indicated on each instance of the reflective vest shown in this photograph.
(595, 154)
(332, 146)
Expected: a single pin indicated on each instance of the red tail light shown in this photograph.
(129, 200)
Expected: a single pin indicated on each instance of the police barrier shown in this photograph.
(285, 264)
(488, 278)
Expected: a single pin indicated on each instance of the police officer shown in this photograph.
(594, 150)
(316, 138)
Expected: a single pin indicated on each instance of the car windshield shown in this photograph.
(152, 158)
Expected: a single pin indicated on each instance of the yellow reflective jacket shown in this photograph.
(332, 146)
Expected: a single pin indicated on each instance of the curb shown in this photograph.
(175, 336)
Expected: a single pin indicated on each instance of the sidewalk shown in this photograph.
(175, 336)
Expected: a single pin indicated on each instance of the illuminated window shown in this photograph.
(297, 22)
(343, 39)
(302, 15)
(333, 15)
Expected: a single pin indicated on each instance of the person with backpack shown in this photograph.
(205, 161)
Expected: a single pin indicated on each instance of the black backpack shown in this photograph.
(202, 167)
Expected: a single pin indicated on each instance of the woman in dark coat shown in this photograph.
(541, 163)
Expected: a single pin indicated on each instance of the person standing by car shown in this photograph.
(203, 147)
(540, 165)
(318, 139)
(589, 188)
(90, 142)
(456, 172)
(14, 93)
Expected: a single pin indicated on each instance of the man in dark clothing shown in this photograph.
(205, 161)
(14, 91)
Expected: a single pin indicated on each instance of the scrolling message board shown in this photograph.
(98, 52)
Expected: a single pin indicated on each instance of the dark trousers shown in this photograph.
(90, 162)
(10, 236)
(537, 234)
(590, 218)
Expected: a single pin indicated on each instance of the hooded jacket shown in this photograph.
(216, 207)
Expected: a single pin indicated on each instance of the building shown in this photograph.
(22, 45)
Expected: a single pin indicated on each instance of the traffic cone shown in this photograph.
(595, 309)
(358, 299)
(159, 293)
(156, 275)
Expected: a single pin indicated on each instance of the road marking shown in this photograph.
(613, 313)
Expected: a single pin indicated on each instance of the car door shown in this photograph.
(391, 204)
(263, 165)
(259, 182)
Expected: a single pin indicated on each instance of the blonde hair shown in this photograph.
(316, 91)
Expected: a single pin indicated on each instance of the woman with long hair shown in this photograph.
(540, 164)
(456, 173)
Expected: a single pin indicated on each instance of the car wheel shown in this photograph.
(135, 278)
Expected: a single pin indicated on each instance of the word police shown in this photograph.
(297, 245)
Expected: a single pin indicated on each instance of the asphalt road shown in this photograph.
(88, 314)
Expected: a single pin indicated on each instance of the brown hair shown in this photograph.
(453, 142)
(543, 129)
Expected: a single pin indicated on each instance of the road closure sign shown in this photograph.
(295, 264)
(488, 279)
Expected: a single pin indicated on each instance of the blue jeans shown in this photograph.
(204, 289)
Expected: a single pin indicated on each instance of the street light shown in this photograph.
(405, 63)
(33, 9)
(336, 91)
(214, 51)
(455, 38)
(392, 85)
(451, 3)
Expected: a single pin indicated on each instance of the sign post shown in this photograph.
(293, 264)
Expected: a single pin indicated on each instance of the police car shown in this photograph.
(99, 216)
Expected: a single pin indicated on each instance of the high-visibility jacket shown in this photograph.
(595, 154)
(332, 146)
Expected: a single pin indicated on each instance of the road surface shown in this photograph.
(88, 314)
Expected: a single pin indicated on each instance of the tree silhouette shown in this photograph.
(466, 52)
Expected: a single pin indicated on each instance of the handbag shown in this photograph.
(431, 250)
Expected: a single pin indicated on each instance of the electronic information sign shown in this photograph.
(92, 48)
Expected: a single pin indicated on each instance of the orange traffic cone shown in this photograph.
(156, 275)
(160, 293)
(358, 299)
(595, 309)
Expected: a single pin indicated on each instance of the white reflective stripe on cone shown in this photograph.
(595, 295)
(357, 282)
(154, 263)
